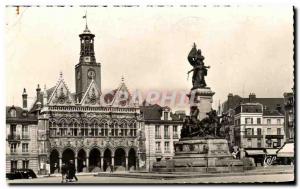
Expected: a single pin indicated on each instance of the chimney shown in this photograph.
(45, 96)
(38, 92)
(24, 99)
(229, 101)
(252, 97)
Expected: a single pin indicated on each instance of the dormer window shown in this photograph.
(13, 113)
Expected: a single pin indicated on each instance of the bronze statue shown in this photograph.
(209, 127)
(213, 126)
(199, 69)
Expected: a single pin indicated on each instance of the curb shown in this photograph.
(174, 176)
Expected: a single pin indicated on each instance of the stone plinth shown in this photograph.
(202, 98)
(200, 155)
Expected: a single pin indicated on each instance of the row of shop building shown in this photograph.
(262, 128)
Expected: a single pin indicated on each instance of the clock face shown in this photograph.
(91, 74)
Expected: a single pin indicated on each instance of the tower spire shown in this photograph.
(86, 23)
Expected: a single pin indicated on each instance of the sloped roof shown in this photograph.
(269, 103)
(21, 115)
(108, 97)
(272, 113)
(252, 108)
(151, 112)
(178, 116)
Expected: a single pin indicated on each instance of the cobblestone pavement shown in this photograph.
(111, 180)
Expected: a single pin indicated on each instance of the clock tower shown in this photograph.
(87, 69)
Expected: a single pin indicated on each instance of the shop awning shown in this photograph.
(255, 152)
(286, 151)
(271, 151)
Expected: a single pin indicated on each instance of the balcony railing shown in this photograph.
(167, 136)
(13, 152)
(25, 136)
(275, 136)
(94, 109)
(157, 137)
(253, 136)
(13, 138)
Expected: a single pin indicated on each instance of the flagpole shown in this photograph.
(86, 18)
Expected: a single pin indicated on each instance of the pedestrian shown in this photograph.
(72, 171)
(63, 172)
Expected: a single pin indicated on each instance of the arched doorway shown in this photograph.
(94, 160)
(54, 161)
(81, 161)
(131, 159)
(106, 159)
(68, 155)
(120, 159)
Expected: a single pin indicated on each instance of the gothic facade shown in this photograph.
(95, 130)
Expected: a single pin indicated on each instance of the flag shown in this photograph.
(84, 16)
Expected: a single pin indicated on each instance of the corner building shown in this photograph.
(21, 143)
(93, 129)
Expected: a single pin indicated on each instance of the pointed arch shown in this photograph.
(54, 161)
(81, 160)
(107, 159)
(124, 127)
(68, 155)
(94, 124)
(132, 156)
(120, 159)
(95, 159)
(104, 126)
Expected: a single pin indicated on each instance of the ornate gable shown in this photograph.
(122, 97)
(61, 94)
(92, 95)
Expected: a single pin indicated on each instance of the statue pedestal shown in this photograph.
(203, 99)
(200, 155)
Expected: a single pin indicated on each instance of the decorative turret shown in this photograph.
(87, 69)
(87, 53)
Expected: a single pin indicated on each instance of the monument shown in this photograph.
(202, 146)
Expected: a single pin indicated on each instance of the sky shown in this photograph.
(249, 49)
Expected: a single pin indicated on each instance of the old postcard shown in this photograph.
(149, 94)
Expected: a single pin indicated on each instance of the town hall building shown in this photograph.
(96, 130)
